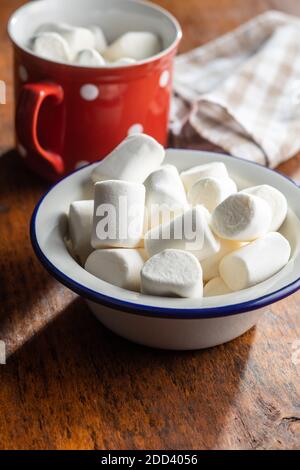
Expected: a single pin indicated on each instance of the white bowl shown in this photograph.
(161, 322)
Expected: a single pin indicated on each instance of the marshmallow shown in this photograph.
(53, 28)
(172, 273)
(80, 228)
(164, 193)
(100, 40)
(210, 265)
(51, 46)
(216, 286)
(215, 169)
(123, 61)
(119, 266)
(255, 262)
(211, 191)
(206, 214)
(241, 217)
(132, 160)
(189, 231)
(136, 45)
(275, 199)
(78, 38)
(89, 58)
(118, 214)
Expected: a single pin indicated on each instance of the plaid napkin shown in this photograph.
(242, 90)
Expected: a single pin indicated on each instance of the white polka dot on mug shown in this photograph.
(89, 92)
(164, 78)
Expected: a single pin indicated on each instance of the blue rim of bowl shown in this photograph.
(154, 311)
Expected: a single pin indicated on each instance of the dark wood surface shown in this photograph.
(71, 384)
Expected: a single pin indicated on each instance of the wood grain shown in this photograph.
(75, 385)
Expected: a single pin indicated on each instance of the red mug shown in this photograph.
(70, 115)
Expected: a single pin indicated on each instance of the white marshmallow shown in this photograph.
(275, 199)
(59, 28)
(189, 231)
(206, 214)
(211, 245)
(51, 46)
(255, 262)
(210, 265)
(241, 217)
(80, 228)
(100, 39)
(165, 194)
(132, 160)
(119, 266)
(216, 286)
(77, 38)
(136, 45)
(172, 273)
(118, 214)
(211, 191)
(215, 169)
(123, 61)
(89, 58)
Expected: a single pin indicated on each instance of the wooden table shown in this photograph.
(75, 385)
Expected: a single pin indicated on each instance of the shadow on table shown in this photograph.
(22, 279)
(121, 395)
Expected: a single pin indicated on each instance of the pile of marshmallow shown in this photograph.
(235, 242)
(87, 46)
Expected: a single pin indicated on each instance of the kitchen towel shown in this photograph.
(242, 90)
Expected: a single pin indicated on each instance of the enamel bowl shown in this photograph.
(161, 322)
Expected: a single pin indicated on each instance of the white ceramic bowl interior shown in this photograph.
(169, 323)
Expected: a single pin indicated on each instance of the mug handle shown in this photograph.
(27, 114)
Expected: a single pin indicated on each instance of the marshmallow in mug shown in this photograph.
(80, 228)
(100, 39)
(255, 262)
(118, 214)
(89, 58)
(67, 43)
(189, 231)
(172, 273)
(137, 45)
(132, 160)
(118, 266)
(241, 217)
(123, 61)
(45, 43)
(51, 46)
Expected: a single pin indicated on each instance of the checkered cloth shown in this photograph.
(242, 90)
